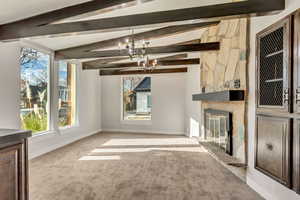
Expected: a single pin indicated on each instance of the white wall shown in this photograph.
(168, 105)
(267, 187)
(9, 86)
(193, 108)
(89, 103)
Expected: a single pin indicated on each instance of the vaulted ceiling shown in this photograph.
(12, 11)
(72, 29)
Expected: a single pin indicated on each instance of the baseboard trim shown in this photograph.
(266, 195)
(57, 146)
(145, 132)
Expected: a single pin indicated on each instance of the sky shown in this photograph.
(36, 70)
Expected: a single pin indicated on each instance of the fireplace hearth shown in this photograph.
(218, 129)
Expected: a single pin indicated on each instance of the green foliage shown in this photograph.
(63, 122)
(34, 122)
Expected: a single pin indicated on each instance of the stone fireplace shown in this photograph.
(222, 71)
(218, 129)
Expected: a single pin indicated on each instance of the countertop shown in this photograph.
(8, 136)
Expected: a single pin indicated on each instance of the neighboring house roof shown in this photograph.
(144, 85)
(35, 90)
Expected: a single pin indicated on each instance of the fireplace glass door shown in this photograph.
(218, 129)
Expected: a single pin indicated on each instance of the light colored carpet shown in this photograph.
(134, 167)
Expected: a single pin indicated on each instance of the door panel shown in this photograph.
(10, 171)
(296, 156)
(274, 66)
(273, 148)
(297, 63)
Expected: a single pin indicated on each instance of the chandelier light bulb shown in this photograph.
(139, 54)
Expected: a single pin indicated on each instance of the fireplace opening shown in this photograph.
(218, 129)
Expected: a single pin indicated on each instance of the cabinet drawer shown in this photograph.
(273, 149)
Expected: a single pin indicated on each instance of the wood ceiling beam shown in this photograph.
(63, 13)
(100, 62)
(213, 46)
(148, 35)
(173, 57)
(103, 61)
(236, 9)
(160, 63)
(134, 72)
(197, 41)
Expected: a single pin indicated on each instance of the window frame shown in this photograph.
(44, 50)
(76, 120)
(134, 122)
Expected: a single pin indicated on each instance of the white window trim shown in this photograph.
(133, 122)
(66, 129)
(29, 44)
(53, 126)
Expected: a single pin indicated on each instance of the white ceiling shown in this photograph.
(155, 6)
(12, 10)
(61, 42)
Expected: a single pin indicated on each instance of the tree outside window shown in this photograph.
(34, 90)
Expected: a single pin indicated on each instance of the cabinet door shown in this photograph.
(274, 67)
(296, 156)
(273, 149)
(10, 172)
(297, 62)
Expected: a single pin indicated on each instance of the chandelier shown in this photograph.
(147, 64)
(138, 54)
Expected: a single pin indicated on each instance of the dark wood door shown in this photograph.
(274, 67)
(296, 156)
(296, 96)
(273, 148)
(11, 171)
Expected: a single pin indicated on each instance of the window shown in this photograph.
(67, 94)
(34, 70)
(137, 101)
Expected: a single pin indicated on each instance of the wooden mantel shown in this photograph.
(222, 96)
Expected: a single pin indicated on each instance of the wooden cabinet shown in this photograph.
(274, 67)
(13, 165)
(296, 59)
(273, 148)
(10, 167)
(278, 63)
(296, 156)
(274, 102)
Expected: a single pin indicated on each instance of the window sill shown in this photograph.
(44, 133)
(67, 129)
(137, 122)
